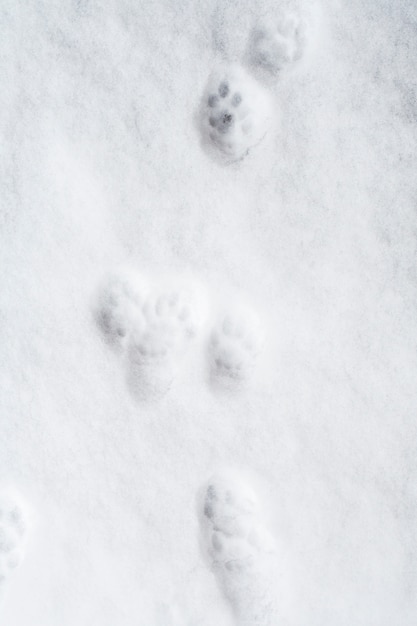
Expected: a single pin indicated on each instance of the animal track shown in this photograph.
(283, 40)
(13, 529)
(168, 322)
(230, 509)
(236, 112)
(151, 328)
(120, 302)
(234, 346)
(239, 547)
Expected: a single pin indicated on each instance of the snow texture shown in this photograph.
(240, 549)
(236, 112)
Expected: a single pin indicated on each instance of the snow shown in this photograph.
(103, 167)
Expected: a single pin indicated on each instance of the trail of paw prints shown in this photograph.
(235, 344)
(151, 327)
(240, 549)
(285, 39)
(13, 535)
(236, 112)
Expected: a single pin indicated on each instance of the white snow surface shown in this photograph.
(101, 167)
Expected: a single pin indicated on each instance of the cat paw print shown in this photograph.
(119, 306)
(236, 112)
(240, 548)
(169, 322)
(13, 531)
(233, 527)
(284, 40)
(234, 347)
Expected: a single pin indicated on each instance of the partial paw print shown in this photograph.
(235, 535)
(281, 42)
(169, 322)
(13, 530)
(240, 548)
(235, 344)
(236, 112)
(119, 306)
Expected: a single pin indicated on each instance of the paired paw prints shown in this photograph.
(153, 329)
(237, 111)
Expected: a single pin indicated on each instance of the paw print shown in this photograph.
(235, 533)
(13, 528)
(119, 306)
(234, 347)
(226, 506)
(150, 328)
(167, 324)
(283, 40)
(236, 112)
